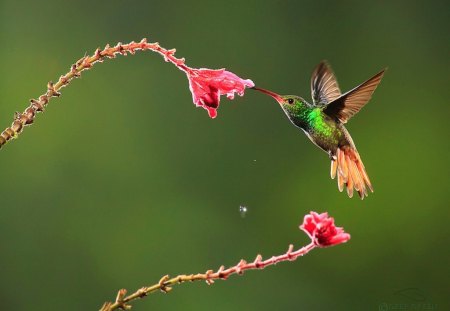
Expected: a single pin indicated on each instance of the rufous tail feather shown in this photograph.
(350, 172)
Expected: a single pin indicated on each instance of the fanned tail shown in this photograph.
(350, 171)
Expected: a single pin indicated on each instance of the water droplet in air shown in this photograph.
(243, 210)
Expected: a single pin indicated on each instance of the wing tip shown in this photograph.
(349, 104)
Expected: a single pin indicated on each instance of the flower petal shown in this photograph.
(207, 85)
(322, 230)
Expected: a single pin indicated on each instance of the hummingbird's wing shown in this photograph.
(346, 106)
(324, 86)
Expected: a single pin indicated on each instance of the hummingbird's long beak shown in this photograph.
(277, 97)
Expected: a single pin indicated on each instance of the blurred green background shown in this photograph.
(122, 180)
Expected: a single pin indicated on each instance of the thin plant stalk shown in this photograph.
(166, 283)
(28, 116)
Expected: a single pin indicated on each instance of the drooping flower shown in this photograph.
(207, 85)
(322, 231)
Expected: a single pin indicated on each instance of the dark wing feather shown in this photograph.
(351, 102)
(324, 86)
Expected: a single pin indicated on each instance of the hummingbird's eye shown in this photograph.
(290, 101)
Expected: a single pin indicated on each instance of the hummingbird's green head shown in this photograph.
(291, 104)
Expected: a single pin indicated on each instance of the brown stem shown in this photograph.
(165, 283)
(38, 105)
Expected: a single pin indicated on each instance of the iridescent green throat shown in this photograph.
(298, 113)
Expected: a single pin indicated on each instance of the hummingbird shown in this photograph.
(323, 123)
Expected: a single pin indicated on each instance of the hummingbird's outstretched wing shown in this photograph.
(324, 86)
(346, 106)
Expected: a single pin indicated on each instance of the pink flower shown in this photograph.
(322, 231)
(208, 85)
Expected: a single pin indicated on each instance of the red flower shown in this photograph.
(208, 85)
(322, 231)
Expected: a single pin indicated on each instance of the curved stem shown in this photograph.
(165, 283)
(38, 105)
